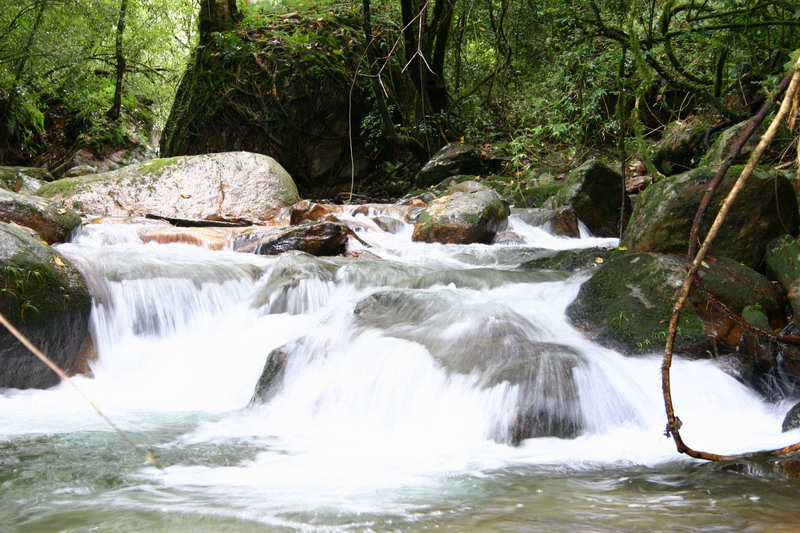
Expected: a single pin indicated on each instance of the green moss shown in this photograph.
(62, 187)
(155, 166)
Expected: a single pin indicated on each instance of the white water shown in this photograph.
(376, 411)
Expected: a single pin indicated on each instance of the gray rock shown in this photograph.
(322, 238)
(232, 185)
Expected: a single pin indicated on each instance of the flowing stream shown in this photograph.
(400, 405)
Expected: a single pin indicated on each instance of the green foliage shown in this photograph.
(57, 68)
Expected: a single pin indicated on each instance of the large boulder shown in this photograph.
(597, 196)
(225, 186)
(493, 342)
(780, 147)
(680, 147)
(765, 209)
(52, 221)
(454, 159)
(470, 213)
(783, 265)
(290, 87)
(628, 303)
(46, 298)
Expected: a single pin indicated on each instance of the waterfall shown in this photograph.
(428, 364)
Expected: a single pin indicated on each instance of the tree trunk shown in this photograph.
(116, 106)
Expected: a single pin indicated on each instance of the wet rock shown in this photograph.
(294, 285)
(627, 304)
(792, 419)
(549, 402)
(209, 238)
(570, 260)
(225, 186)
(361, 254)
(46, 298)
(562, 221)
(494, 342)
(323, 238)
(455, 158)
(52, 221)
(470, 213)
(766, 208)
(269, 382)
(596, 195)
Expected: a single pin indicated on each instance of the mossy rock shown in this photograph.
(52, 221)
(783, 265)
(14, 177)
(765, 209)
(596, 194)
(284, 86)
(46, 298)
(627, 304)
(570, 260)
(470, 213)
(780, 148)
(680, 146)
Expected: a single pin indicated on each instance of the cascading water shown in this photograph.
(435, 387)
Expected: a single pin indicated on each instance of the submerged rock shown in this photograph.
(470, 213)
(765, 209)
(209, 238)
(225, 186)
(46, 298)
(52, 221)
(494, 342)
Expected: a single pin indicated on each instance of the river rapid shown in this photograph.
(391, 413)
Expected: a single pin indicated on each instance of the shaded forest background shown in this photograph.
(531, 82)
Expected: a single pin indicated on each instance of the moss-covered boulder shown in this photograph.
(225, 186)
(680, 147)
(52, 221)
(289, 86)
(46, 298)
(765, 209)
(628, 302)
(454, 159)
(597, 196)
(779, 149)
(470, 213)
(783, 265)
